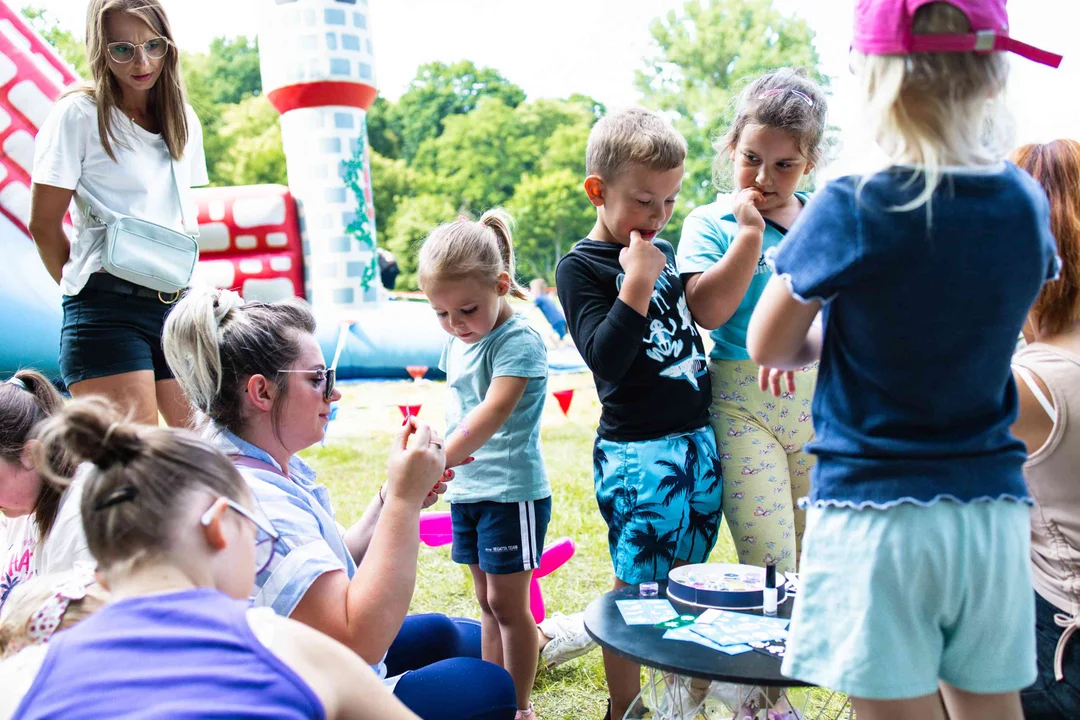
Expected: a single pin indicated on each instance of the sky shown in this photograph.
(556, 48)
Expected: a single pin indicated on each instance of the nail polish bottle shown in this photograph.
(769, 605)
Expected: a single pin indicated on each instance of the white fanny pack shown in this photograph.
(143, 252)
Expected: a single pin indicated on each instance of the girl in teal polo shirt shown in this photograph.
(774, 141)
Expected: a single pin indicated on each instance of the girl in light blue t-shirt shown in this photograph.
(496, 372)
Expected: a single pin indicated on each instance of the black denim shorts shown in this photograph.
(112, 327)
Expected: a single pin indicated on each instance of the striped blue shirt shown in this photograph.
(299, 507)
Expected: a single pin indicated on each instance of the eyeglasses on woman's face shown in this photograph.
(124, 52)
(329, 376)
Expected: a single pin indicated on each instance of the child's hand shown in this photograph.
(769, 380)
(642, 259)
(745, 209)
(440, 487)
(415, 471)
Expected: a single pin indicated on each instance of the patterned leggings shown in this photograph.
(766, 471)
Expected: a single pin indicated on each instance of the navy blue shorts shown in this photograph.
(108, 333)
(502, 538)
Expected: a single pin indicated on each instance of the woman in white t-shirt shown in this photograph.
(41, 531)
(115, 147)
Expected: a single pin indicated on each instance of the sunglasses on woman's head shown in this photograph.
(328, 375)
(124, 52)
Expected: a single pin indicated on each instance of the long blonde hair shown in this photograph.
(482, 249)
(167, 95)
(931, 110)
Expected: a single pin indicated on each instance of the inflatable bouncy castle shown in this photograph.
(313, 239)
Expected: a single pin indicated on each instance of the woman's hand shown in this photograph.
(769, 380)
(417, 471)
(440, 487)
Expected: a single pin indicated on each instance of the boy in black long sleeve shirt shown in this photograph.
(656, 469)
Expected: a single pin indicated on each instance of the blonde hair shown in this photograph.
(1056, 165)
(29, 596)
(768, 101)
(142, 479)
(482, 249)
(931, 110)
(214, 342)
(634, 136)
(166, 96)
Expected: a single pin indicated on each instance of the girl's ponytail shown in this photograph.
(500, 222)
(191, 340)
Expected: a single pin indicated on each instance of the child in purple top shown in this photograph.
(178, 540)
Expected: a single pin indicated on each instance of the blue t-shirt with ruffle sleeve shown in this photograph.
(922, 309)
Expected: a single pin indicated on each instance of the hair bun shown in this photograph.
(225, 302)
(119, 445)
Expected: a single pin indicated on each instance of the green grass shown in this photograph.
(353, 464)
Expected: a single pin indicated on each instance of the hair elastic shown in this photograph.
(122, 494)
(17, 382)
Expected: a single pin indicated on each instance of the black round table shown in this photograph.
(645, 644)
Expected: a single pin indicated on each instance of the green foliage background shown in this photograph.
(462, 139)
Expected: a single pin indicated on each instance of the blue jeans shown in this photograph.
(1049, 699)
(445, 679)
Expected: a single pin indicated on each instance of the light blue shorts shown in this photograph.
(893, 601)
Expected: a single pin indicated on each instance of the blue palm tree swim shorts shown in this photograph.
(661, 501)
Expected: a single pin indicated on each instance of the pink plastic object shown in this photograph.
(553, 558)
(408, 411)
(416, 372)
(436, 530)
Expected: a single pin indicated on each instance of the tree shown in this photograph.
(480, 157)
(227, 73)
(414, 217)
(250, 137)
(440, 91)
(384, 128)
(552, 213)
(391, 182)
(69, 47)
(703, 55)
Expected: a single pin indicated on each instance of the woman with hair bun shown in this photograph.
(41, 531)
(178, 539)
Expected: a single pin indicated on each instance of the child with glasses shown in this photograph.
(775, 140)
(125, 145)
(258, 381)
(496, 373)
(916, 577)
(176, 534)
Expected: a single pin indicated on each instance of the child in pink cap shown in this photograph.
(916, 584)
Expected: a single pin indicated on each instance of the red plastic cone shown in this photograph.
(416, 371)
(564, 397)
(408, 411)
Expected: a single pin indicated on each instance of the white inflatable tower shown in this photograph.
(318, 72)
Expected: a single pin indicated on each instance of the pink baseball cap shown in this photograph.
(883, 27)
